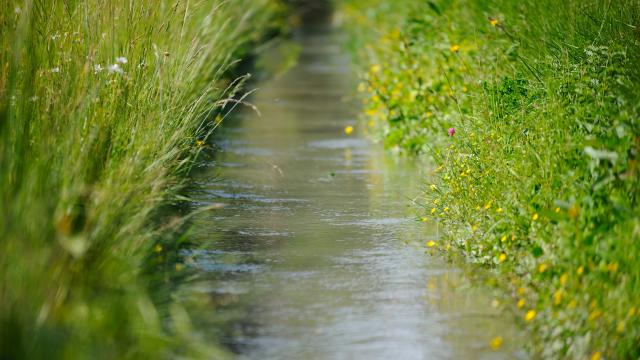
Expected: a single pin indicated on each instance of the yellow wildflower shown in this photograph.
(521, 303)
(487, 206)
(530, 315)
(493, 21)
(503, 238)
(572, 304)
(596, 355)
(499, 210)
(580, 270)
(348, 130)
(425, 219)
(431, 243)
(433, 211)
(433, 187)
(535, 217)
(375, 69)
(557, 210)
(542, 268)
(520, 290)
(613, 267)
(564, 278)
(502, 257)
(496, 343)
(455, 48)
(632, 311)
(595, 314)
(179, 267)
(158, 248)
(199, 143)
(557, 297)
(621, 327)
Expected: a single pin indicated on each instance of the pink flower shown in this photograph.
(451, 131)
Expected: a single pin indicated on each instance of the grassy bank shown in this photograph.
(103, 106)
(531, 114)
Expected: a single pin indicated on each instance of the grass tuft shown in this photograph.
(103, 107)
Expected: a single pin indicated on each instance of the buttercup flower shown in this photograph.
(496, 343)
(530, 315)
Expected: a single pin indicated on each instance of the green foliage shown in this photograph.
(103, 106)
(540, 181)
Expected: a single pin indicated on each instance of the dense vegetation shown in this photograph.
(531, 113)
(103, 106)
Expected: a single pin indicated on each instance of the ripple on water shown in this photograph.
(245, 150)
(339, 143)
(253, 197)
(374, 223)
(219, 261)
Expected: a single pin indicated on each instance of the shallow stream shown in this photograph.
(316, 251)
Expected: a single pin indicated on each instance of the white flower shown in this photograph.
(97, 68)
(115, 68)
(17, 10)
(55, 37)
(121, 60)
(55, 70)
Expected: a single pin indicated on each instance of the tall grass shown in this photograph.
(540, 182)
(103, 105)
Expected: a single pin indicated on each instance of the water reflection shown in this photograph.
(316, 253)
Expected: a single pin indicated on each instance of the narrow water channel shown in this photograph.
(315, 252)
